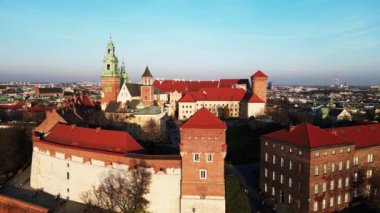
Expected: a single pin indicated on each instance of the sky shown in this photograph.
(294, 42)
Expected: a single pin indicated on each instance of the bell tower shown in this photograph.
(147, 96)
(110, 78)
(203, 149)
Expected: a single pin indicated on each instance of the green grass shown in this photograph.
(236, 198)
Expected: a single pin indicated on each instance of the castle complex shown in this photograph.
(224, 98)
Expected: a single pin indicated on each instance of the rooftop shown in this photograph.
(96, 139)
(309, 136)
(203, 119)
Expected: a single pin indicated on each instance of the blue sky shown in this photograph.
(294, 42)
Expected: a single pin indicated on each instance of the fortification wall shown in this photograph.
(70, 171)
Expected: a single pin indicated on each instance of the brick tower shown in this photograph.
(110, 76)
(203, 149)
(147, 88)
(259, 85)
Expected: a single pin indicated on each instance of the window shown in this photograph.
(289, 198)
(281, 179)
(300, 153)
(202, 174)
(316, 170)
(266, 157)
(370, 158)
(316, 189)
(332, 167)
(266, 143)
(340, 183)
(331, 201)
(340, 151)
(68, 165)
(108, 67)
(323, 186)
(347, 182)
(109, 50)
(274, 159)
(290, 182)
(369, 173)
(355, 192)
(340, 165)
(333, 152)
(266, 187)
(332, 185)
(348, 164)
(209, 157)
(273, 175)
(282, 148)
(339, 200)
(325, 168)
(346, 197)
(355, 177)
(323, 204)
(290, 150)
(290, 164)
(315, 206)
(300, 168)
(266, 172)
(325, 153)
(67, 175)
(274, 145)
(317, 154)
(356, 160)
(273, 191)
(196, 157)
(282, 162)
(348, 149)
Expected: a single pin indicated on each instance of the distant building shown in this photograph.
(48, 92)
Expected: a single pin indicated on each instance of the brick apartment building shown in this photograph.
(314, 170)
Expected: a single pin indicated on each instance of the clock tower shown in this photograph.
(110, 76)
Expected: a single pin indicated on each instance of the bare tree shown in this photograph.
(120, 191)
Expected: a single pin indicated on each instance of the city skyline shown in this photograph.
(295, 43)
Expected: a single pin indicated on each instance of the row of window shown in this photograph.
(282, 162)
(273, 177)
(283, 148)
(332, 185)
(333, 152)
(332, 201)
(340, 167)
(197, 157)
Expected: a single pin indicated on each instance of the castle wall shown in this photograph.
(72, 171)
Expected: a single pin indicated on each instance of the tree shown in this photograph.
(120, 191)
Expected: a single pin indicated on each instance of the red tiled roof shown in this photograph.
(203, 119)
(255, 99)
(183, 86)
(307, 135)
(259, 74)
(364, 136)
(216, 94)
(187, 98)
(97, 139)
